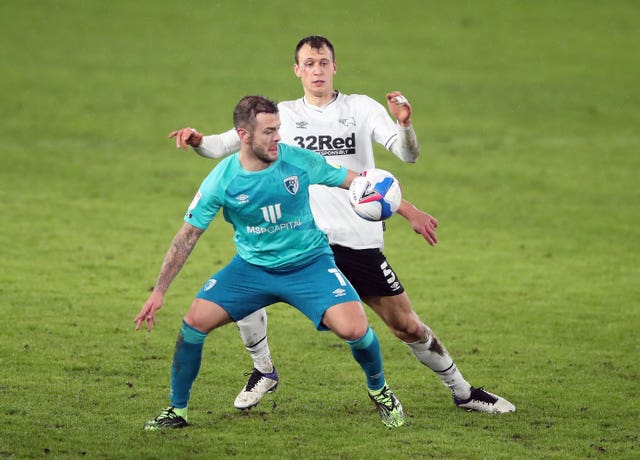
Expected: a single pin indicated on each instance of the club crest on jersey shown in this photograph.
(292, 184)
(349, 121)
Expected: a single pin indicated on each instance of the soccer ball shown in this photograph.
(375, 195)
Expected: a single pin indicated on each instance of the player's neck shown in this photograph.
(320, 99)
(250, 162)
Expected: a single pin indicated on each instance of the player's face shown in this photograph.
(315, 68)
(265, 137)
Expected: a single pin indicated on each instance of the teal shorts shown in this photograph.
(241, 288)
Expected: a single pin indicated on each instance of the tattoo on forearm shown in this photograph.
(177, 255)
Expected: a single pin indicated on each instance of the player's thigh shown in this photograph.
(397, 313)
(347, 320)
(314, 288)
(240, 289)
(368, 271)
(392, 309)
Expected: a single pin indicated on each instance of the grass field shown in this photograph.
(528, 116)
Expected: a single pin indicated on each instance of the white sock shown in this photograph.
(253, 330)
(432, 353)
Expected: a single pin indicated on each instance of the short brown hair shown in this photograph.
(316, 42)
(244, 115)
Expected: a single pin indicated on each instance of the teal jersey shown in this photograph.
(269, 209)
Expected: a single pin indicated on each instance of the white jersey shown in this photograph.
(343, 132)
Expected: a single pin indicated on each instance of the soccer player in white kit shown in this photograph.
(341, 127)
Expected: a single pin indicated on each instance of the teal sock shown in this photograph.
(186, 364)
(378, 391)
(366, 351)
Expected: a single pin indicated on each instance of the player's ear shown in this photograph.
(297, 70)
(244, 135)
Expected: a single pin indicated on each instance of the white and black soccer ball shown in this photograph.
(375, 194)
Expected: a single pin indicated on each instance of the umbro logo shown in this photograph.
(339, 292)
(301, 124)
(349, 121)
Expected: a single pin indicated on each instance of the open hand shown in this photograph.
(148, 311)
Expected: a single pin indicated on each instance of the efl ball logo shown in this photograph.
(375, 195)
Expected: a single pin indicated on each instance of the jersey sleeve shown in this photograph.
(320, 171)
(384, 130)
(208, 200)
(218, 145)
(402, 142)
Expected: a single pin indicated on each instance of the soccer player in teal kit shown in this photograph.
(282, 256)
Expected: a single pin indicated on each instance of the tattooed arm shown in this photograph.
(178, 253)
(181, 246)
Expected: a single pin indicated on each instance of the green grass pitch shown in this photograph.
(528, 116)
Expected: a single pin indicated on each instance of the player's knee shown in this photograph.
(206, 316)
(411, 331)
(193, 321)
(347, 320)
(357, 331)
(365, 341)
(417, 331)
(351, 330)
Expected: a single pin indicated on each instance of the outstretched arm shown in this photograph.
(178, 253)
(213, 146)
(420, 221)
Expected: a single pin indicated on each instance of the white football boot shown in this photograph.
(257, 386)
(483, 401)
